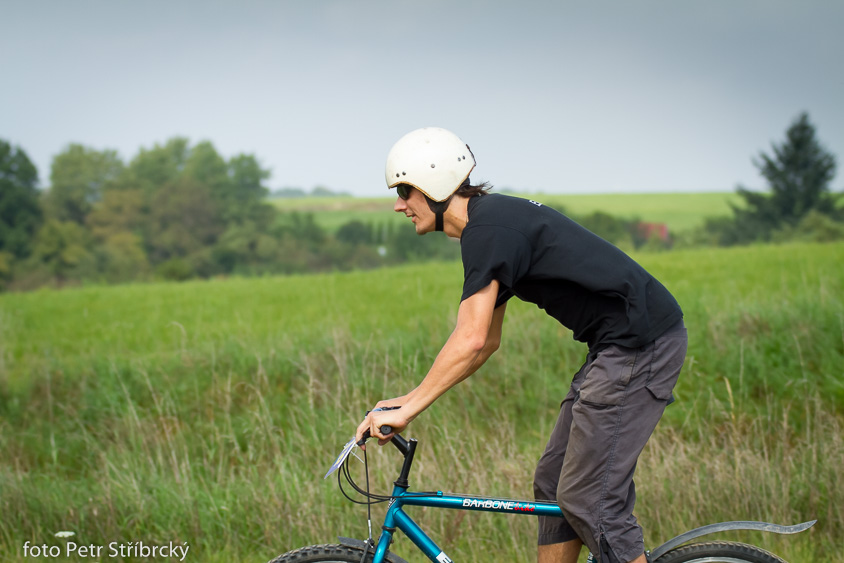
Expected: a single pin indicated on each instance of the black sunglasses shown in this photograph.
(403, 190)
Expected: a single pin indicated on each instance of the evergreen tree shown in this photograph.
(798, 174)
(20, 212)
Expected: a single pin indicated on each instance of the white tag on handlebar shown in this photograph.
(347, 449)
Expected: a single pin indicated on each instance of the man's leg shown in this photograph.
(619, 404)
(566, 552)
(558, 542)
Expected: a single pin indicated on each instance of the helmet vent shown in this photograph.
(433, 165)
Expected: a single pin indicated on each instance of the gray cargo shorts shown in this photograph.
(612, 408)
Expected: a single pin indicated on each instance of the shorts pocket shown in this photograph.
(669, 355)
(609, 375)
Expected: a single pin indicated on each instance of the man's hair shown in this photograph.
(466, 189)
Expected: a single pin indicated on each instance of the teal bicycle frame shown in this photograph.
(397, 519)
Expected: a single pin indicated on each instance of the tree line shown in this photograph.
(175, 211)
(178, 211)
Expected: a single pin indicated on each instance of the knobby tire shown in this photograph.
(327, 553)
(719, 552)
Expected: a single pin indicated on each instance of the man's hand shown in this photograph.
(373, 422)
(392, 403)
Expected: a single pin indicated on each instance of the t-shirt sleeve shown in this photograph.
(493, 253)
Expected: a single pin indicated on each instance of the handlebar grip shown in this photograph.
(386, 429)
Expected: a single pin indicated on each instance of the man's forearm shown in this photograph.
(459, 358)
(476, 364)
(468, 347)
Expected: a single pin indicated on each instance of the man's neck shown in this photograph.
(456, 216)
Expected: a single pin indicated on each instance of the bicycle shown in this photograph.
(367, 551)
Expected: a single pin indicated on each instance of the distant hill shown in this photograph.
(679, 211)
(318, 191)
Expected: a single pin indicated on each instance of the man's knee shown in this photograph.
(568, 502)
(578, 500)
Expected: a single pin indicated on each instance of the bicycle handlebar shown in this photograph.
(385, 429)
(367, 434)
(406, 447)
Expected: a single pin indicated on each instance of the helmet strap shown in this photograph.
(439, 208)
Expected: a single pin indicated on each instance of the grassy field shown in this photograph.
(207, 412)
(680, 211)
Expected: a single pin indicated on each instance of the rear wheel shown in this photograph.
(328, 553)
(719, 552)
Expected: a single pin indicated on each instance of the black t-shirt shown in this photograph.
(543, 257)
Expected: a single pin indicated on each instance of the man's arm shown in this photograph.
(493, 341)
(474, 339)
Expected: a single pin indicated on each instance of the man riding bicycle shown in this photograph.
(632, 325)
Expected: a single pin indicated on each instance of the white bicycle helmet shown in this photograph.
(432, 160)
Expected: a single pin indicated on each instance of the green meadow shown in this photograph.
(206, 413)
(680, 211)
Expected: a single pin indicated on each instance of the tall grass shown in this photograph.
(207, 412)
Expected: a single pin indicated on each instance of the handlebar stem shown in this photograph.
(400, 444)
(408, 449)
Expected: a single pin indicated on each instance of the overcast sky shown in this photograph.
(560, 97)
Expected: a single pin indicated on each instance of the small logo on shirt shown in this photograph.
(536, 203)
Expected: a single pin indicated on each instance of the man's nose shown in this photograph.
(400, 205)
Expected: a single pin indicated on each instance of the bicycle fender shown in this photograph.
(723, 527)
(360, 544)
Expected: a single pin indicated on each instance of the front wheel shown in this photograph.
(719, 552)
(328, 553)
